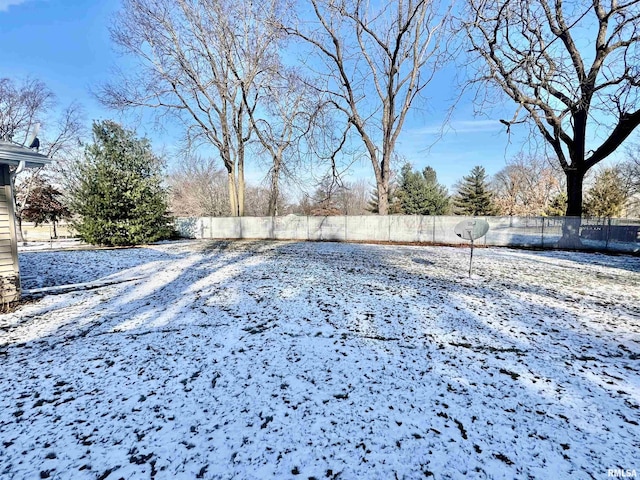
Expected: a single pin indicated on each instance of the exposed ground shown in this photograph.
(316, 360)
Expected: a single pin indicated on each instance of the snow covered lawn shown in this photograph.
(256, 360)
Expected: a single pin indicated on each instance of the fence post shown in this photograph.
(542, 234)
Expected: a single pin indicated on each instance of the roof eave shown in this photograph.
(12, 154)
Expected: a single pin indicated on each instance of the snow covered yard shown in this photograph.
(255, 360)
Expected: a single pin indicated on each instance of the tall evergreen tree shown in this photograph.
(607, 196)
(420, 193)
(558, 206)
(474, 196)
(118, 192)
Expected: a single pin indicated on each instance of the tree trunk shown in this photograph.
(273, 198)
(19, 235)
(575, 179)
(55, 231)
(241, 186)
(571, 227)
(233, 194)
(383, 198)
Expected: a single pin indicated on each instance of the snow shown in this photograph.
(321, 360)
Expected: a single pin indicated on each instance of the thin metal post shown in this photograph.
(471, 258)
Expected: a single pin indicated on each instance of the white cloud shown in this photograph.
(5, 4)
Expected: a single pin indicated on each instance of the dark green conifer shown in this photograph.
(118, 194)
(474, 196)
(421, 194)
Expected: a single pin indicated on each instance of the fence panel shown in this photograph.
(620, 235)
(327, 228)
(256, 227)
(443, 230)
(224, 227)
(521, 231)
(367, 227)
(291, 227)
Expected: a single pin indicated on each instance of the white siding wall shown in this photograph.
(9, 269)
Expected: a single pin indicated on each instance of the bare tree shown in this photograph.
(353, 198)
(289, 118)
(258, 199)
(199, 62)
(571, 67)
(197, 188)
(526, 186)
(375, 59)
(631, 169)
(325, 201)
(24, 107)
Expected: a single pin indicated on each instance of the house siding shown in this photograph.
(9, 267)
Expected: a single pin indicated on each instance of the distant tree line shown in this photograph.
(526, 186)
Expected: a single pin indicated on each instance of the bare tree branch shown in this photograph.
(391, 49)
(571, 67)
(199, 59)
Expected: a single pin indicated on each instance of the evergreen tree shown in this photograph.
(45, 203)
(558, 206)
(395, 208)
(420, 193)
(118, 192)
(607, 196)
(474, 197)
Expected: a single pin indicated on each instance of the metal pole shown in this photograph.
(471, 258)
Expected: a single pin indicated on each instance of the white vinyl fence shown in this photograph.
(621, 235)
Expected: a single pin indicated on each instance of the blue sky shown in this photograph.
(66, 44)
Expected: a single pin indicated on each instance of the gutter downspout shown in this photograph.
(21, 167)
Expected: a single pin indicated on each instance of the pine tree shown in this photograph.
(45, 204)
(558, 206)
(607, 196)
(474, 197)
(420, 193)
(118, 193)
